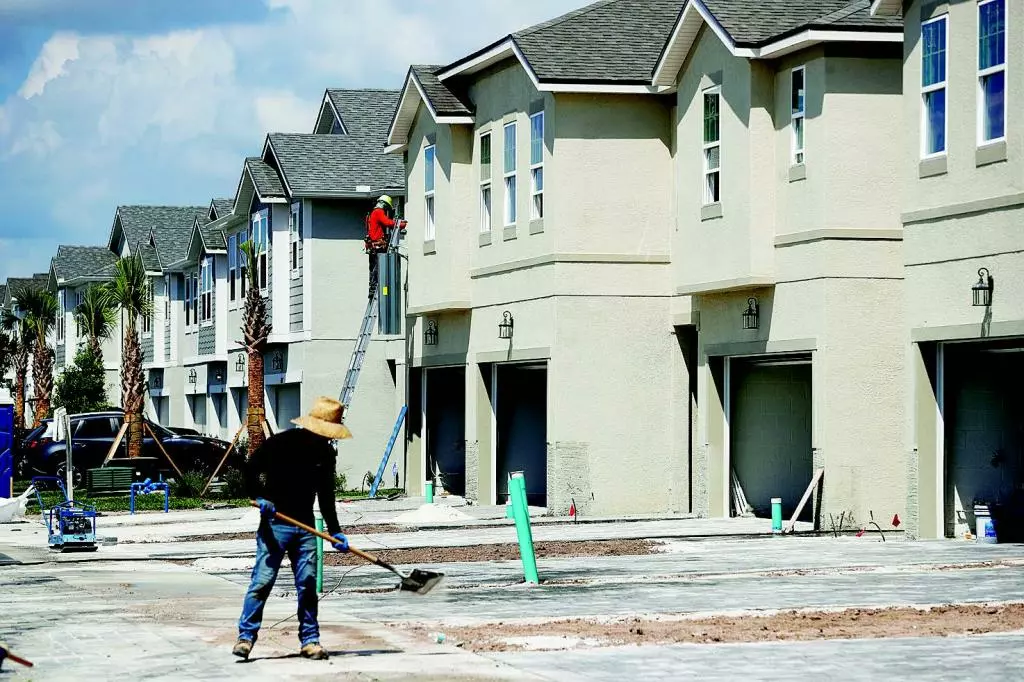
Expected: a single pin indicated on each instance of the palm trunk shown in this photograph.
(257, 412)
(94, 345)
(20, 379)
(131, 390)
(42, 376)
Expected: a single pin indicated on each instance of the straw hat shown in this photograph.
(324, 419)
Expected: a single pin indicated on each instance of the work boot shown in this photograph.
(242, 648)
(314, 650)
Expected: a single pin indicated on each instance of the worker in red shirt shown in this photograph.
(378, 225)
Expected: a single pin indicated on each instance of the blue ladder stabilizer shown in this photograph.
(387, 451)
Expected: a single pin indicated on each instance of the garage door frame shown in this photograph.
(494, 414)
(424, 380)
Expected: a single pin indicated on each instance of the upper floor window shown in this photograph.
(933, 86)
(294, 223)
(167, 300)
(260, 243)
(509, 168)
(79, 297)
(796, 96)
(188, 300)
(429, 231)
(195, 298)
(147, 320)
(991, 70)
(537, 165)
(232, 268)
(206, 290)
(61, 311)
(485, 182)
(712, 146)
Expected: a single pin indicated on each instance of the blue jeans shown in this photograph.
(273, 540)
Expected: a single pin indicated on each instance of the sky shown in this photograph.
(111, 102)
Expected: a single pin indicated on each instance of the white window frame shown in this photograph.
(242, 265)
(798, 142)
(294, 221)
(195, 298)
(486, 201)
(537, 170)
(429, 205)
(233, 254)
(61, 311)
(985, 73)
(167, 300)
(927, 89)
(206, 268)
(187, 299)
(511, 195)
(260, 239)
(79, 295)
(706, 147)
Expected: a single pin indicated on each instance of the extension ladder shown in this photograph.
(355, 363)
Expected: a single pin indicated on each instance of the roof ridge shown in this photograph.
(852, 8)
(564, 17)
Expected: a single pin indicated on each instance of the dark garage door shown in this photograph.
(446, 426)
(522, 405)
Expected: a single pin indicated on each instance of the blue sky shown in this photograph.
(107, 102)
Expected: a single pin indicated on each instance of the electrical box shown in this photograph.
(389, 301)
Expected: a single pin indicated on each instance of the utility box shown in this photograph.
(6, 450)
(389, 300)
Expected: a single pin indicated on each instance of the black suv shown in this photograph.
(92, 435)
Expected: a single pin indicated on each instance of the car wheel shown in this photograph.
(76, 474)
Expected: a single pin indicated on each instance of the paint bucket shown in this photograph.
(985, 529)
(776, 514)
(428, 491)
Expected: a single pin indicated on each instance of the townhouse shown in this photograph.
(961, 172)
(656, 243)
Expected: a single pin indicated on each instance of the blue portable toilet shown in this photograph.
(6, 447)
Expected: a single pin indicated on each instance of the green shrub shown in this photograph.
(234, 484)
(340, 483)
(189, 484)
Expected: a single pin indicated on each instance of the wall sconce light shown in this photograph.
(277, 362)
(430, 333)
(982, 291)
(750, 320)
(505, 326)
(219, 376)
(192, 376)
(240, 362)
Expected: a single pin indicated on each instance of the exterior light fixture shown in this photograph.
(505, 326)
(219, 376)
(240, 363)
(982, 291)
(750, 314)
(277, 362)
(430, 333)
(192, 376)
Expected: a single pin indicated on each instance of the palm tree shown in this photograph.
(22, 338)
(96, 316)
(255, 330)
(40, 308)
(130, 293)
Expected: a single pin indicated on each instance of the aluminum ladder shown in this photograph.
(355, 363)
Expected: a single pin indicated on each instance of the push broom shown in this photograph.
(419, 581)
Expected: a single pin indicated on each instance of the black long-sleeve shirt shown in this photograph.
(291, 469)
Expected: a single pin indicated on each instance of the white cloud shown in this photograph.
(38, 138)
(284, 112)
(56, 53)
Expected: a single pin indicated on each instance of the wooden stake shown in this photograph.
(161, 446)
(267, 433)
(803, 500)
(116, 444)
(222, 460)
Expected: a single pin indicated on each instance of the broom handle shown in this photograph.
(299, 524)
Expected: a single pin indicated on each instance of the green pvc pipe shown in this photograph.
(319, 556)
(428, 488)
(776, 514)
(521, 513)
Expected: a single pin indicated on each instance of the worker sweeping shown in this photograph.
(380, 220)
(285, 474)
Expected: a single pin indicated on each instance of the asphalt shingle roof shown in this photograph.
(36, 281)
(79, 261)
(752, 23)
(328, 165)
(171, 227)
(446, 101)
(268, 184)
(223, 206)
(213, 237)
(365, 112)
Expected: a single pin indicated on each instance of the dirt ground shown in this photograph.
(368, 529)
(509, 552)
(786, 626)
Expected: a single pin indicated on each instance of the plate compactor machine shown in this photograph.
(71, 525)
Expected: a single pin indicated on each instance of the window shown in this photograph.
(79, 297)
(195, 298)
(242, 265)
(294, 221)
(510, 174)
(429, 231)
(191, 299)
(933, 86)
(61, 308)
(485, 156)
(485, 207)
(147, 320)
(233, 267)
(991, 71)
(99, 427)
(712, 147)
(796, 96)
(260, 242)
(167, 300)
(537, 165)
(188, 300)
(206, 290)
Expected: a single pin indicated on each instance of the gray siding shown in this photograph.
(208, 334)
(295, 293)
(59, 356)
(270, 267)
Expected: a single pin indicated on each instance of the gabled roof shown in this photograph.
(208, 237)
(16, 284)
(265, 177)
(220, 208)
(443, 103)
(75, 262)
(762, 29)
(886, 8)
(334, 166)
(363, 111)
(159, 234)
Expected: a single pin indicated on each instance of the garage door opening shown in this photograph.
(445, 401)
(984, 434)
(520, 397)
(197, 411)
(286, 406)
(770, 432)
